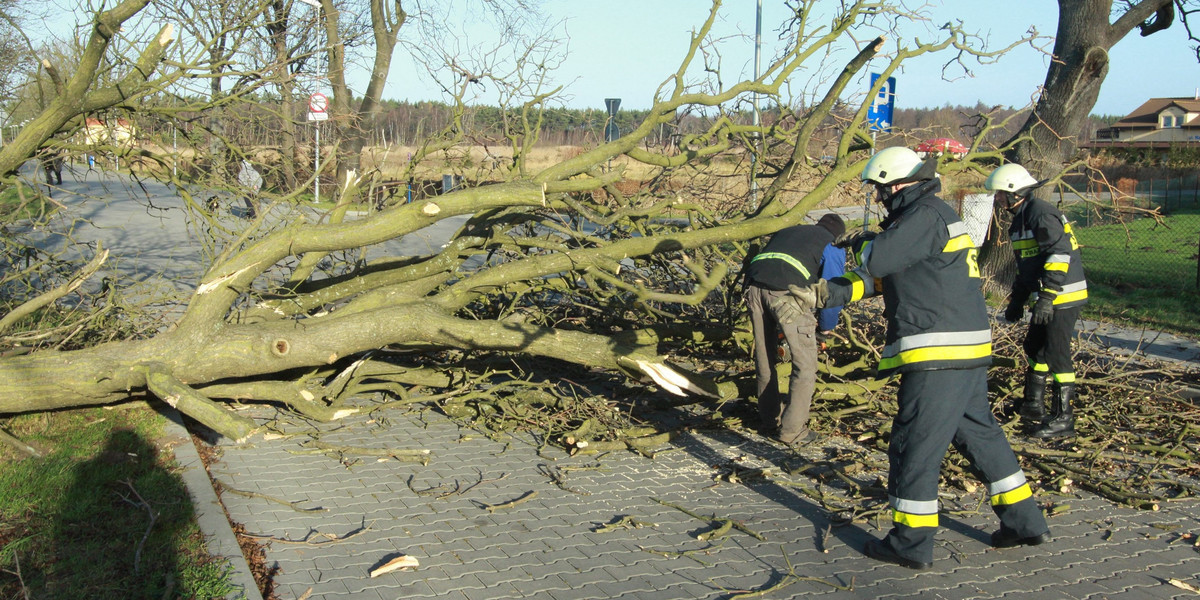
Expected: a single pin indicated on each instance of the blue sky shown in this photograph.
(625, 48)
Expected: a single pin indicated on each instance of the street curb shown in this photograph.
(210, 515)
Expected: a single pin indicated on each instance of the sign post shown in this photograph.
(879, 114)
(611, 132)
(879, 118)
(317, 105)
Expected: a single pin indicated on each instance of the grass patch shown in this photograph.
(18, 202)
(79, 519)
(1142, 273)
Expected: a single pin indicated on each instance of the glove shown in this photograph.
(811, 296)
(853, 239)
(1043, 310)
(788, 309)
(1015, 311)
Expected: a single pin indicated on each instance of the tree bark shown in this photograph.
(1048, 138)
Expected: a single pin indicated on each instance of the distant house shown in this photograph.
(1158, 123)
(96, 132)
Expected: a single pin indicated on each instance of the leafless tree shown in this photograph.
(570, 262)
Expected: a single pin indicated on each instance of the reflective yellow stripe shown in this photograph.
(962, 242)
(973, 263)
(1024, 244)
(914, 520)
(1069, 232)
(1057, 267)
(787, 258)
(1041, 367)
(1071, 297)
(917, 355)
(1012, 496)
(862, 254)
(1064, 377)
(857, 289)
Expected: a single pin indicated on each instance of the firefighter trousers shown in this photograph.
(1048, 347)
(936, 409)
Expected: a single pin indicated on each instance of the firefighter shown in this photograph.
(938, 340)
(1048, 264)
(796, 255)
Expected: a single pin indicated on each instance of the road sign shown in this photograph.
(318, 116)
(879, 114)
(318, 102)
(610, 128)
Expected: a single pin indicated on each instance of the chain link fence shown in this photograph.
(1124, 246)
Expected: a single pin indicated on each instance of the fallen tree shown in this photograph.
(556, 263)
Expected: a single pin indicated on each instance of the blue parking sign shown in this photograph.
(879, 114)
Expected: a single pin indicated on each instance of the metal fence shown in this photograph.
(1125, 247)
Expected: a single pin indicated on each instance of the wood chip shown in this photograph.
(399, 562)
(1183, 585)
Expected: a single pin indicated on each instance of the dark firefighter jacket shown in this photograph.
(925, 262)
(1047, 255)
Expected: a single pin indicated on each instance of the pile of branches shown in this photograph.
(1138, 439)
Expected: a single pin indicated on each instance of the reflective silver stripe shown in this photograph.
(787, 258)
(1007, 484)
(948, 338)
(1058, 258)
(868, 282)
(864, 260)
(1024, 234)
(914, 507)
(957, 228)
(1073, 287)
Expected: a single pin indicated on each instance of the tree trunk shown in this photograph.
(200, 355)
(1048, 138)
(1072, 85)
(277, 29)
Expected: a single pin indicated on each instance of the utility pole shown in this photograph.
(757, 119)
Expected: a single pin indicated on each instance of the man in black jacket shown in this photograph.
(939, 341)
(1048, 263)
(792, 257)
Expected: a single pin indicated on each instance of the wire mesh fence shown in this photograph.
(1123, 246)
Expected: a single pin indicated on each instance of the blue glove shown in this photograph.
(1043, 310)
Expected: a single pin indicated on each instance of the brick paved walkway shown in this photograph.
(546, 546)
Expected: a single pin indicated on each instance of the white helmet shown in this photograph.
(1011, 178)
(892, 165)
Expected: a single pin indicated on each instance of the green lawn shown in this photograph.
(23, 203)
(1144, 273)
(78, 522)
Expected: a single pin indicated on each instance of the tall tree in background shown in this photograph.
(1087, 31)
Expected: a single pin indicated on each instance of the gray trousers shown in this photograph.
(791, 418)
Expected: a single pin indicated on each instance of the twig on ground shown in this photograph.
(141, 503)
(511, 503)
(225, 487)
(331, 538)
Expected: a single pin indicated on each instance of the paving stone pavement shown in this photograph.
(445, 513)
(545, 547)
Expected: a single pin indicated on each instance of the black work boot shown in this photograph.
(1061, 422)
(1033, 405)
